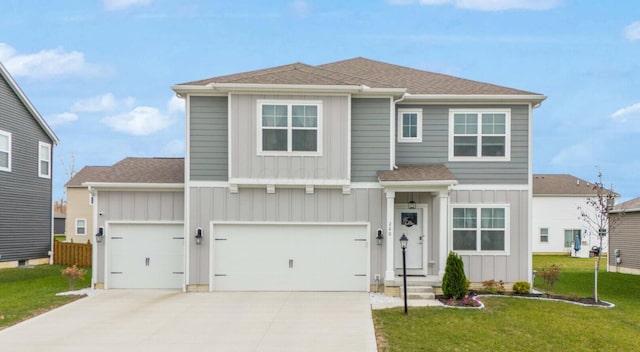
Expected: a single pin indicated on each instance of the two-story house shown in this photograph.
(304, 177)
(26, 155)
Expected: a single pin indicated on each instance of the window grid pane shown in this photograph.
(4, 159)
(409, 125)
(4, 143)
(465, 146)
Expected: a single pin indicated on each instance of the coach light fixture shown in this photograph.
(379, 238)
(100, 234)
(412, 204)
(199, 235)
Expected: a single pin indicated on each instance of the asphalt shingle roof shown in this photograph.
(133, 170)
(561, 184)
(430, 172)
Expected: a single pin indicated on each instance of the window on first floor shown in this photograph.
(289, 127)
(409, 125)
(571, 235)
(544, 234)
(81, 227)
(5, 151)
(480, 229)
(479, 134)
(44, 160)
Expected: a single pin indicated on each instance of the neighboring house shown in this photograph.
(58, 224)
(304, 177)
(79, 221)
(556, 217)
(26, 154)
(624, 239)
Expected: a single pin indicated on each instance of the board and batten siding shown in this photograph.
(508, 268)
(625, 237)
(286, 205)
(25, 198)
(208, 131)
(435, 147)
(332, 164)
(369, 138)
(136, 206)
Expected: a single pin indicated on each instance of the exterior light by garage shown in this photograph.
(412, 204)
(379, 238)
(199, 236)
(100, 234)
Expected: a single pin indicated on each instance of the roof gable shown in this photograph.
(27, 103)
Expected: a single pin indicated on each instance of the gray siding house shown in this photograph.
(624, 239)
(304, 177)
(26, 154)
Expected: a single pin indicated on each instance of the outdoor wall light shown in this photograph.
(100, 234)
(379, 238)
(199, 236)
(412, 205)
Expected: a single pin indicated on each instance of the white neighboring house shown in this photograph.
(556, 219)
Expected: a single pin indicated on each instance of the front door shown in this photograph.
(411, 223)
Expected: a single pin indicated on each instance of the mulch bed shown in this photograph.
(471, 301)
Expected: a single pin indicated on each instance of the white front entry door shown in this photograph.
(411, 223)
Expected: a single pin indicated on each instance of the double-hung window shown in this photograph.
(480, 229)
(544, 234)
(409, 125)
(5, 151)
(44, 160)
(479, 134)
(81, 227)
(289, 127)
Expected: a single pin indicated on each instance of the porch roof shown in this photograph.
(417, 175)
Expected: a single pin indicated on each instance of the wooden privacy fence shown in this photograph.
(67, 253)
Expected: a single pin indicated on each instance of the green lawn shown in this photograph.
(513, 324)
(26, 292)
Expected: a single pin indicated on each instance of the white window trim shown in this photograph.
(540, 235)
(289, 151)
(507, 226)
(85, 227)
(564, 234)
(8, 167)
(479, 157)
(401, 137)
(40, 160)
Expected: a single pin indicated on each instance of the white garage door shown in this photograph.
(267, 257)
(145, 256)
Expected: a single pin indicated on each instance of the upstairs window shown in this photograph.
(5, 151)
(289, 127)
(409, 125)
(44, 160)
(480, 229)
(479, 134)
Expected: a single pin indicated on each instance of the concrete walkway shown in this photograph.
(164, 320)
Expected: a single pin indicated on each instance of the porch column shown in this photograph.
(389, 274)
(443, 199)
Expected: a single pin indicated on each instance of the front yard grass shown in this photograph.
(513, 324)
(27, 292)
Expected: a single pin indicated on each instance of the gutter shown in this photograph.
(296, 88)
(477, 98)
(392, 129)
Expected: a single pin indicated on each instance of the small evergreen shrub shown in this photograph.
(492, 286)
(454, 281)
(521, 287)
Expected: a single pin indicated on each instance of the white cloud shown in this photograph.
(116, 5)
(62, 118)
(175, 105)
(632, 31)
(627, 113)
(300, 8)
(141, 121)
(48, 63)
(174, 148)
(488, 5)
(102, 103)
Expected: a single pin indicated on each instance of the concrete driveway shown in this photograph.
(164, 320)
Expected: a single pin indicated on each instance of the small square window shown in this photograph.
(409, 125)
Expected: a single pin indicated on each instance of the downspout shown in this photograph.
(392, 128)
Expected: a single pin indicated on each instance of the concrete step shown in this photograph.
(418, 292)
(411, 289)
(416, 296)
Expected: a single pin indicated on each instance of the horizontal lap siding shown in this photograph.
(25, 198)
(626, 238)
(208, 129)
(286, 205)
(435, 147)
(509, 268)
(369, 138)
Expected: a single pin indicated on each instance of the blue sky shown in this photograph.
(100, 71)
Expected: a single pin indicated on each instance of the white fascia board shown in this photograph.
(418, 185)
(32, 109)
(490, 187)
(257, 87)
(632, 210)
(473, 98)
(133, 186)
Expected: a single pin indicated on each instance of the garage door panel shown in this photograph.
(290, 257)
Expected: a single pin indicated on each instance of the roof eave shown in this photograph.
(474, 98)
(129, 185)
(414, 184)
(285, 88)
(32, 109)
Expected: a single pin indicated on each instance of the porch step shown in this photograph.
(418, 292)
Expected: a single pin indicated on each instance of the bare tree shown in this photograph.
(599, 219)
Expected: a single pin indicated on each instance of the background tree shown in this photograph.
(599, 220)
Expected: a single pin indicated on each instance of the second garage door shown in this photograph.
(287, 257)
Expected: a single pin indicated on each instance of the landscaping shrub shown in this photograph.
(454, 282)
(521, 287)
(492, 286)
(73, 274)
(549, 276)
